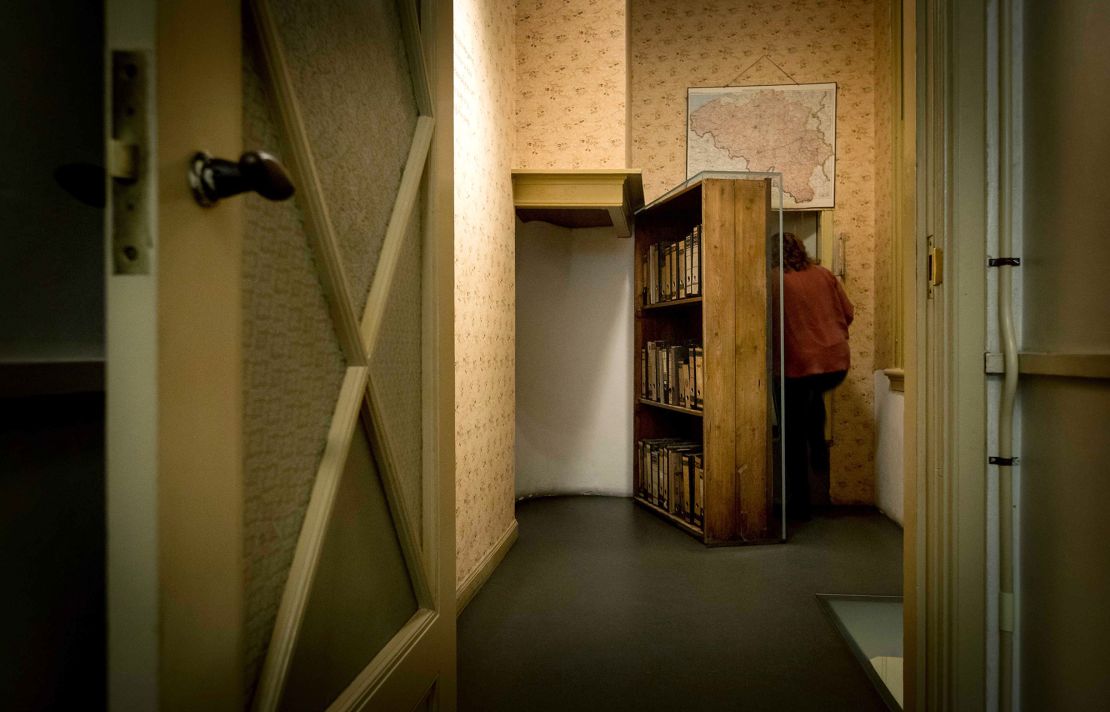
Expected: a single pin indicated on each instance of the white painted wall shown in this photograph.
(573, 361)
(889, 407)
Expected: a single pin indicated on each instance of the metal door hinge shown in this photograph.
(123, 160)
(128, 159)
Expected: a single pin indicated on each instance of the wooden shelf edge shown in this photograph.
(896, 378)
(675, 408)
(680, 523)
(554, 196)
(671, 303)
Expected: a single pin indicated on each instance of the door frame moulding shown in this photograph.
(133, 583)
(401, 664)
(946, 384)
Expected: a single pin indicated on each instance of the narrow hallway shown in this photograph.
(600, 605)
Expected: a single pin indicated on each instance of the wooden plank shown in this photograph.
(674, 303)
(680, 523)
(719, 325)
(1064, 365)
(575, 188)
(731, 319)
(197, 471)
(310, 192)
(436, 23)
(306, 556)
(400, 218)
(405, 524)
(666, 203)
(398, 674)
(414, 50)
(753, 204)
(667, 406)
(639, 252)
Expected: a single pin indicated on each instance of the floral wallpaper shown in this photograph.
(571, 79)
(884, 189)
(485, 300)
(675, 45)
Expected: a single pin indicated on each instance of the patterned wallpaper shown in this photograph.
(292, 371)
(358, 124)
(884, 188)
(485, 285)
(396, 375)
(359, 121)
(571, 83)
(675, 45)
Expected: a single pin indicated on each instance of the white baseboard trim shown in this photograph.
(485, 568)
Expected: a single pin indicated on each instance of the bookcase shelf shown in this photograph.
(686, 526)
(674, 408)
(673, 303)
(715, 468)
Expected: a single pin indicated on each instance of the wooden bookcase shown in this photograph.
(730, 319)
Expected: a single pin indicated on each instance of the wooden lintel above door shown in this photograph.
(579, 197)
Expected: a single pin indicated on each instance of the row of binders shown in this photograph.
(672, 477)
(672, 270)
(672, 374)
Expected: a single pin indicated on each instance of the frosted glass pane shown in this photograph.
(872, 627)
(361, 595)
(395, 370)
(351, 78)
(292, 371)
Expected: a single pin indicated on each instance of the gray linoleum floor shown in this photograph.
(602, 606)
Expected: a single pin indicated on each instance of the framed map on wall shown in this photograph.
(788, 129)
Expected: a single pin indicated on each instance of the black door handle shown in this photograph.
(213, 179)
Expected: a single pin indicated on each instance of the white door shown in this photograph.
(280, 388)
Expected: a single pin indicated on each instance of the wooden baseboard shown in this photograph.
(485, 568)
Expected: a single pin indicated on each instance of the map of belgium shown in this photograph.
(788, 129)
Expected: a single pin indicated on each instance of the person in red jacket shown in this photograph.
(816, 315)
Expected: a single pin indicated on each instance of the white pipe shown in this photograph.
(1006, 482)
(1006, 611)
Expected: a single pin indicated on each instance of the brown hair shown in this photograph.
(795, 258)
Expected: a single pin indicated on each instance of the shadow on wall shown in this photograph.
(573, 361)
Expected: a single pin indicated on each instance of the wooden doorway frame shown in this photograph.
(945, 558)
